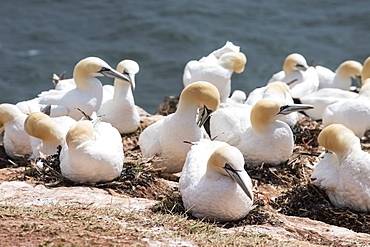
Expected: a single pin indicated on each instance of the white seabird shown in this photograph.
(46, 133)
(353, 113)
(301, 78)
(87, 95)
(119, 108)
(165, 137)
(214, 184)
(343, 174)
(16, 140)
(266, 140)
(342, 76)
(217, 68)
(92, 152)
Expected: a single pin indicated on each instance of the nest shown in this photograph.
(309, 201)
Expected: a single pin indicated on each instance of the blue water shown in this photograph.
(42, 37)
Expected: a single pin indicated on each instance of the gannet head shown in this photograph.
(8, 112)
(266, 109)
(229, 161)
(129, 68)
(79, 133)
(41, 126)
(338, 138)
(294, 62)
(351, 69)
(278, 88)
(365, 74)
(94, 66)
(234, 60)
(202, 94)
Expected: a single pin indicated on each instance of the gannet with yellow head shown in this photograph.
(119, 108)
(217, 68)
(92, 152)
(214, 184)
(266, 139)
(87, 95)
(46, 133)
(16, 140)
(344, 171)
(301, 78)
(165, 137)
(353, 113)
(342, 77)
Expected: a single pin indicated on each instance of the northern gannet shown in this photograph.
(301, 78)
(46, 133)
(343, 174)
(353, 113)
(16, 140)
(342, 76)
(277, 90)
(214, 184)
(165, 137)
(87, 95)
(92, 152)
(266, 139)
(119, 108)
(217, 68)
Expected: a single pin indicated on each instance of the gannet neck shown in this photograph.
(199, 94)
(365, 89)
(41, 126)
(294, 62)
(8, 113)
(122, 91)
(349, 69)
(365, 74)
(81, 132)
(263, 113)
(339, 139)
(235, 61)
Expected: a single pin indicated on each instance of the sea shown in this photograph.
(42, 37)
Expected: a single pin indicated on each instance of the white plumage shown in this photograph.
(87, 95)
(342, 76)
(353, 113)
(118, 108)
(214, 184)
(46, 133)
(217, 68)
(324, 97)
(266, 140)
(16, 140)
(165, 137)
(301, 78)
(344, 174)
(92, 152)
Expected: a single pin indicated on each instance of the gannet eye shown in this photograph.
(103, 69)
(229, 168)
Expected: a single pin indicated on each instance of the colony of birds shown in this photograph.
(215, 140)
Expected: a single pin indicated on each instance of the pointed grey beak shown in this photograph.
(114, 74)
(96, 122)
(240, 177)
(285, 110)
(131, 79)
(203, 115)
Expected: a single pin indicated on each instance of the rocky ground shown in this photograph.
(38, 207)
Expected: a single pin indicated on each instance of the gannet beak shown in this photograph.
(131, 79)
(203, 115)
(96, 122)
(286, 109)
(109, 72)
(240, 177)
(301, 67)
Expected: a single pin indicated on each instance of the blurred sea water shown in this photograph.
(42, 37)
